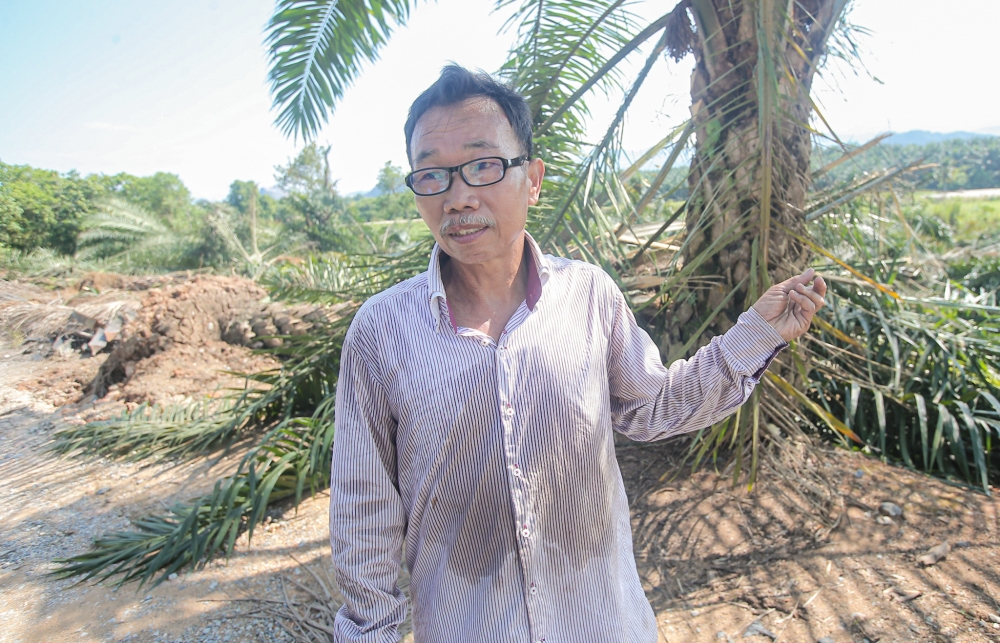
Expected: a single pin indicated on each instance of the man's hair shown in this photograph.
(457, 84)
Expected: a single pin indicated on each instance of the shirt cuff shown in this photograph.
(752, 344)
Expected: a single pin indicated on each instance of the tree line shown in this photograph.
(101, 216)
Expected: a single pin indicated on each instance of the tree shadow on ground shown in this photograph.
(714, 557)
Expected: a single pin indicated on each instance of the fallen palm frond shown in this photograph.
(51, 318)
(308, 612)
(153, 431)
(308, 605)
(308, 620)
(291, 459)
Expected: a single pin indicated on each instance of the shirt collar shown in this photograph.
(538, 275)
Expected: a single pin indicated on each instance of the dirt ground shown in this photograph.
(718, 563)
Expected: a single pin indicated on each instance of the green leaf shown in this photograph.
(978, 452)
(317, 49)
(939, 436)
(880, 415)
(992, 400)
(853, 397)
(957, 445)
(922, 416)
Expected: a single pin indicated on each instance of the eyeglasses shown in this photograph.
(476, 173)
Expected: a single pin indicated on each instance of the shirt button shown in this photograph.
(484, 342)
(517, 471)
(525, 532)
(533, 590)
(509, 412)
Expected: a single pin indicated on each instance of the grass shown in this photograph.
(970, 220)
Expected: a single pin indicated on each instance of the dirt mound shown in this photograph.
(149, 339)
(196, 328)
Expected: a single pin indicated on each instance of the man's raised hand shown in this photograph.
(789, 306)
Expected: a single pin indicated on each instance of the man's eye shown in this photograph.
(430, 177)
(485, 166)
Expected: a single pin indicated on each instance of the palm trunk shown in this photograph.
(750, 103)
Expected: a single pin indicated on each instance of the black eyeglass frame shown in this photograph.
(507, 163)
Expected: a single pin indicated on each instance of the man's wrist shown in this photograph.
(764, 327)
(752, 344)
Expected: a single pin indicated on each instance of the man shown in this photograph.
(477, 400)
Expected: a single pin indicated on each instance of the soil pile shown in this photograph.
(148, 339)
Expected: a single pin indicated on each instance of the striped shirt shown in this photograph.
(489, 467)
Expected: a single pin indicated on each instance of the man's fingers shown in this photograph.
(811, 294)
(804, 301)
(798, 284)
(820, 286)
(790, 284)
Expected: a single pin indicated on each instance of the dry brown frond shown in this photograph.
(38, 319)
(15, 291)
(308, 606)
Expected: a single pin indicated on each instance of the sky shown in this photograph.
(109, 86)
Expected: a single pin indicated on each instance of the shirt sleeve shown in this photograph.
(652, 402)
(367, 517)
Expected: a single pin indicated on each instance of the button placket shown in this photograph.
(518, 479)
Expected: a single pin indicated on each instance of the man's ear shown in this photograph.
(536, 172)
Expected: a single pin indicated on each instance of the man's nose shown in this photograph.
(460, 196)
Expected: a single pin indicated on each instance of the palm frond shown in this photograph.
(121, 232)
(317, 49)
(291, 460)
(563, 44)
(170, 432)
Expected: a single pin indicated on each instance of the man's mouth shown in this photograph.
(467, 231)
(466, 225)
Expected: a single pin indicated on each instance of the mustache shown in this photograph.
(467, 219)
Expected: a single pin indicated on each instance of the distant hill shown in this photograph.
(922, 137)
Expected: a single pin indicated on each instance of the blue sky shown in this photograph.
(180, 86)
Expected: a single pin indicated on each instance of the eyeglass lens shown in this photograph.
(476, 173)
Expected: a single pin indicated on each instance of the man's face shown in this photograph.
(474, 225)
